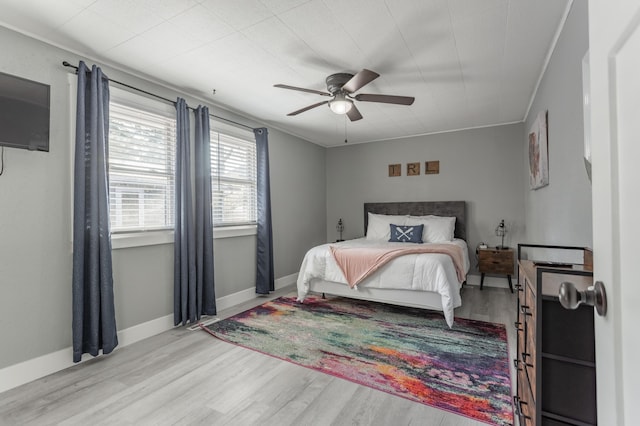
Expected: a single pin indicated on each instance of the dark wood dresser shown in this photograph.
(555, 362)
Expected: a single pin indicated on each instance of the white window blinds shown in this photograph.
(233, 176)
(141, 169)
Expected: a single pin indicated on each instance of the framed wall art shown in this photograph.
(431, 167)
(538, 153)
(413, 169)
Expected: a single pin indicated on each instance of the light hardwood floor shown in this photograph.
(188, 377)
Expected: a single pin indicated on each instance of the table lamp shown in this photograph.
(501, 231)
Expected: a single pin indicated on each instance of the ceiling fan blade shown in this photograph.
(300, 89)
(359, 80)
(385, 99)
(307, 108)
(354, 114)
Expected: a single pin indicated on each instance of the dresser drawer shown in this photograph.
(525, 406)
(528, 355)
(495, 261)
(529, 308)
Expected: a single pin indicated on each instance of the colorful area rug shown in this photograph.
(407, 352)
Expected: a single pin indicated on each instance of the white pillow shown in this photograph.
(378, 225)
(437, 229)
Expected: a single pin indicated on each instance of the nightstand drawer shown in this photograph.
(495, 261)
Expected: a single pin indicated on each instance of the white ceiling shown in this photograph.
(469, 63)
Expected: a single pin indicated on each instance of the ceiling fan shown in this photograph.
(341, 87)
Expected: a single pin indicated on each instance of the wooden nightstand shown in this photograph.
(496, 261)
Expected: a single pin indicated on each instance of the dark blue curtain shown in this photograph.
(184, 274)
(206, 296)
(94, 321)
(264, 254)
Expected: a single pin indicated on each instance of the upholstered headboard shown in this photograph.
(422, 208)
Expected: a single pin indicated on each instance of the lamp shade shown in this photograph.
(340, 228)
(340, 104)
(501, 231)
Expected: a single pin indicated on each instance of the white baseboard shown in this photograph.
(245, 295)
(27, 371)
(286, 281)
(491, 281)
(236, 298)
(35, 368)
(139, 332)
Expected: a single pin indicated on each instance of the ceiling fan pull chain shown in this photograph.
(345, 129)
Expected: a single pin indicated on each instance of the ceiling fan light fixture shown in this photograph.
(341, 88)
(340, 104)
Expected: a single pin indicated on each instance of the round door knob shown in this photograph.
(570, 297)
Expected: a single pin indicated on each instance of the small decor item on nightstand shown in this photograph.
(501, 231)
(340, 228)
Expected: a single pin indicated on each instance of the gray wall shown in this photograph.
(298, 199)
(560, 213)
(480, 166)
(35, 220)
(311, 188)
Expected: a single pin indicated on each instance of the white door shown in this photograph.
(614, 50)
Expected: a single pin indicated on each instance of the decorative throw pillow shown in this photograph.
(406, 233)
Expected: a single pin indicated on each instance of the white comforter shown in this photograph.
(420, 272)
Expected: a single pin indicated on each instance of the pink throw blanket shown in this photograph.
(357, 263)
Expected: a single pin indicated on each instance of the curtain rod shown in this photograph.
(67, 64)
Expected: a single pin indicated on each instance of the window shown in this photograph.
(233, 176)
(142, 143)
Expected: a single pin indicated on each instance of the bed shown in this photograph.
(427, 281)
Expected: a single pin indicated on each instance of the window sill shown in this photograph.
(153, 238)
(234, 231)
(141, 239)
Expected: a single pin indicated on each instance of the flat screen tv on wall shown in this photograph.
(24, 113)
